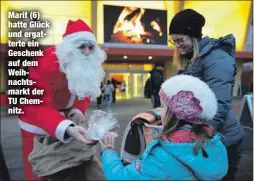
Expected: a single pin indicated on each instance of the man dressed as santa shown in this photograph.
(70, 74)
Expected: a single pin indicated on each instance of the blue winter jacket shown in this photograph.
(216, 66)
(163, 160)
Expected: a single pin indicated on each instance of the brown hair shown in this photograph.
(178, 59)
(172, 124)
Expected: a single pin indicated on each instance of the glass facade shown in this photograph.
(135, 82)
(134, 75)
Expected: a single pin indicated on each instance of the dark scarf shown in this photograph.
(189, 55)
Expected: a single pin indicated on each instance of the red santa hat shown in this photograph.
(78, 30)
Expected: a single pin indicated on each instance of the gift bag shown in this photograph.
(53, 160)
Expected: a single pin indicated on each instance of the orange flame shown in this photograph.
(156, 27)
(132, 28)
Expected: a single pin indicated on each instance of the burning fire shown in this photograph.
(130, 29)
(156, 27)
(134, 25)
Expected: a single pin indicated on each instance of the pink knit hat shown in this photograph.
(189, 99)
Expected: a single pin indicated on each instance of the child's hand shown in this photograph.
(108, 141)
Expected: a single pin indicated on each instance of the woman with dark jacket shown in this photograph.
(156, 80)
(213, 61)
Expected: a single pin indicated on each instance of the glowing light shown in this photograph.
(221, 23)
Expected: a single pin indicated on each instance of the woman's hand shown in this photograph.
(108, 141)
(79, 133)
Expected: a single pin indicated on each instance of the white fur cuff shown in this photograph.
(61, 130)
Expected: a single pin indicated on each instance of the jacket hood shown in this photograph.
(212, 168)
(154, 70)
(226, 43)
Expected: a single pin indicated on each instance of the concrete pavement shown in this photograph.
(11, 142)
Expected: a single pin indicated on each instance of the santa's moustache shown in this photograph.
(84, 73)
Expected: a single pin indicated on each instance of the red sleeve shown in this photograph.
(44, 115)
(82, 105)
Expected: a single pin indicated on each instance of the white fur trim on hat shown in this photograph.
(82, 35)
(200, 89)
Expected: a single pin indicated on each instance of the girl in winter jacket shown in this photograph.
(213, 61)
(187, 149)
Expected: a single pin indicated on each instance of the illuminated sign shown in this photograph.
(135, 25)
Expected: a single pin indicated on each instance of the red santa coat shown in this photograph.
(45, 118)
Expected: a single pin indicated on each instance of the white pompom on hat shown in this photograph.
(189, 98)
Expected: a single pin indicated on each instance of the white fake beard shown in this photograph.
(84, 73)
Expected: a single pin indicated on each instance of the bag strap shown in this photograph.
(156, 116)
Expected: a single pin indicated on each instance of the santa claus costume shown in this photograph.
(69, 80)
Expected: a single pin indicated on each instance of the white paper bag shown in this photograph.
(101, 122)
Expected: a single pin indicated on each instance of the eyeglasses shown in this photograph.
(88, 45)
(178, 41)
